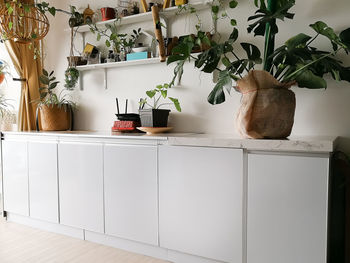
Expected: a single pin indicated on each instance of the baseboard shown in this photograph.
(120, 243)
(46, 226)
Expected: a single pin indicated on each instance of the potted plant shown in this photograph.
(54, 112)
(267, 109)
(4, 70)
(154, 116)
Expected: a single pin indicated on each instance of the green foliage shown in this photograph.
(5, 106)
(296, 60)
(71, 78)
(160, 92)
(113, 37)
(48, 96)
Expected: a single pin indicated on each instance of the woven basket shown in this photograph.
(54, 118)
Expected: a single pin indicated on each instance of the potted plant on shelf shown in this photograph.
(54, 112)
(154, 116)
(267, 107)
(4, 70)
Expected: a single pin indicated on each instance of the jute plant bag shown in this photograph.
(54, 118)
(267, 106)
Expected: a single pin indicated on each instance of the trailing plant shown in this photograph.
(114, 38)
(297, 60)
(156, 95)
(71, 78)
(47, 95)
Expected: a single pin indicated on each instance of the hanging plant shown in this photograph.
(71, 78)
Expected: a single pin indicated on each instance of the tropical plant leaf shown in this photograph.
(253, 53)
(151, 93)
(323, 29)
(307, 79)
(176, 103)
(296, 41)
(217, 95)
(345, 37)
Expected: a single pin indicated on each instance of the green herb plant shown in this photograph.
(47, 95)
(297, 60)
(157, 95)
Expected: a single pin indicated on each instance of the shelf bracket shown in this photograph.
(105, 78)
(81, 87)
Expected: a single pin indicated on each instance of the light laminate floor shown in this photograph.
(22, 244)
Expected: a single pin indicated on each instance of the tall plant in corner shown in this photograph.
(297, 61)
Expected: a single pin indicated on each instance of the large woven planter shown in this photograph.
(54, 118)
(267, 106)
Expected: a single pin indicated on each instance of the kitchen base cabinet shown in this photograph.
(43, 185)
(15, 177)
(131, 192)
(81, 185)
(200, 199)
(287, 209)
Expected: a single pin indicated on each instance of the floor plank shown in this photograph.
(22, 244)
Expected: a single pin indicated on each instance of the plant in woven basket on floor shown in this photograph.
(268, 105)
(154, 116)
(54, 111)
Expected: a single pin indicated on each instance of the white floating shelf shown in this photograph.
(119, 64)
(143, 17)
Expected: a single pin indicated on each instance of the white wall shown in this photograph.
(319, 112)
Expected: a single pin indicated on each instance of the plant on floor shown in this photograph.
(297, 60)
(156, 95)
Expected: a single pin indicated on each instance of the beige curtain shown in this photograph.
(29, 69)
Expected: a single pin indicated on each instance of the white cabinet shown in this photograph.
(287, 209)
(43, 185)
(131, 192)
(200, 191)
(81, 185)
(15, 177)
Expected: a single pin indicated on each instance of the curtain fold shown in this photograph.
(29, 69)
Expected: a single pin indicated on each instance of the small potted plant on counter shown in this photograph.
(54, 112)
(154, 116)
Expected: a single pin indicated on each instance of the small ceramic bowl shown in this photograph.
(140, 49)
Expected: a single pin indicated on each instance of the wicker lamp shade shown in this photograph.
(23, 24)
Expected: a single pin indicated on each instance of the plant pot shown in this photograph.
(54, 118)
(154, 117)
(2, 77)
(267, 106)
(108, 13)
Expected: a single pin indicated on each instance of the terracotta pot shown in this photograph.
(107, 13)
(267, 106)
(2, 77)
(54, 118)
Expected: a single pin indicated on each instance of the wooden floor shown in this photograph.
(28, 245)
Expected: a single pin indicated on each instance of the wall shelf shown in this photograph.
(143, 17)
(106, 66)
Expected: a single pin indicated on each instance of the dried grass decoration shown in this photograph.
(23, 23)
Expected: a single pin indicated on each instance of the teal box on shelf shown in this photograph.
(138, 55)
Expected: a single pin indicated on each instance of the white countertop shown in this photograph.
(316, 144)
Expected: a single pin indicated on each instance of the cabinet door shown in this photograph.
(15, 177)
(201, 201)
(287, 209)
(81, 185)
(43, 186)
(131, 195)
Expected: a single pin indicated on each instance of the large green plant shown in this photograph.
(296, 60)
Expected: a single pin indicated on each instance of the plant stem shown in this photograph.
(239, 60)
(312, 39)
(269, 38)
